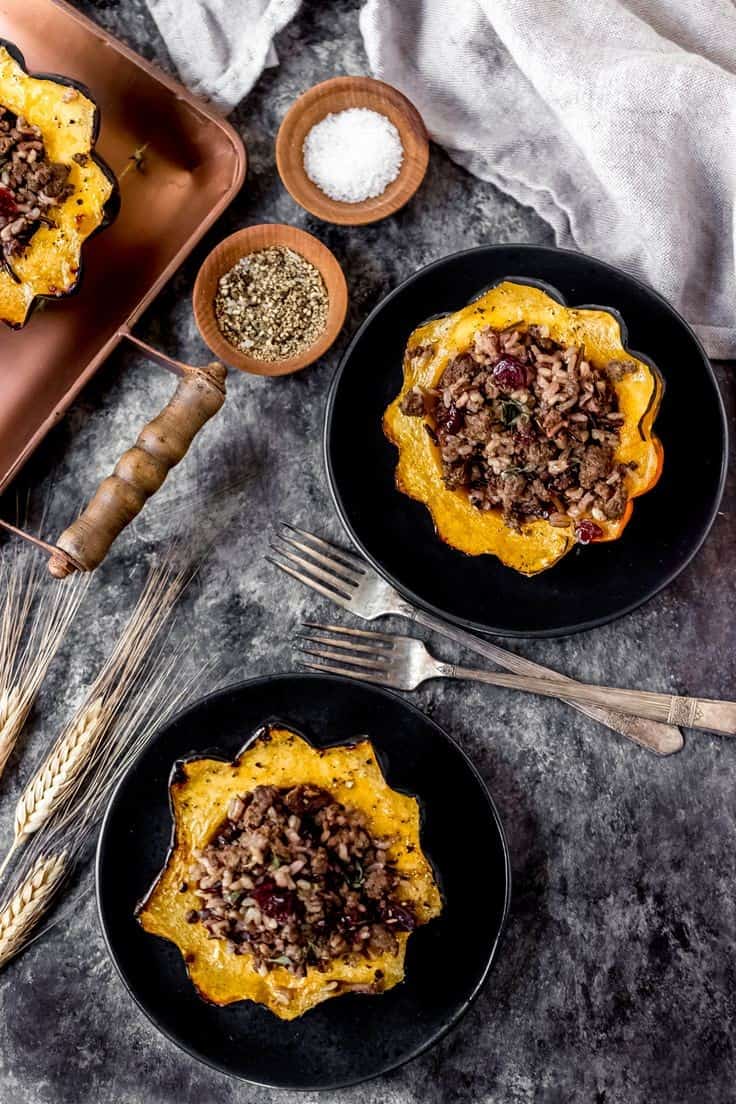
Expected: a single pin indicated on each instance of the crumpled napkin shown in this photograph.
(614, 119)
(221, 47)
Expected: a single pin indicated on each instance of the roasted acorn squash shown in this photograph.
(539, 544)
(200, 790)
(50, 265)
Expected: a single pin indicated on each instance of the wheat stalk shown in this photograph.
(61, 770)
(29, 902)
(11, 710)
(24, 667)
(75, 753)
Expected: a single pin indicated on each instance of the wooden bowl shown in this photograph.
(337, 95)
(250, 240)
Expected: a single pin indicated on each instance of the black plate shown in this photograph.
(591, 585)
(351, 1038)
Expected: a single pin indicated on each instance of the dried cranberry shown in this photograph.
(587, 531)
(274, 901)
(522, 438)
(509, 374)
(8, 205)
(397, 917)
(450, 419)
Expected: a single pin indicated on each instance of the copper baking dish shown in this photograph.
(192, 163)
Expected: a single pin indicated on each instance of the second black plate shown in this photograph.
(591, 585)
(352, 1038)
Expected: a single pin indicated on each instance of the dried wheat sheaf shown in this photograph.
(141, 685)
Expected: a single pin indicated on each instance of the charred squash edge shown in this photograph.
(112, 204)
(614, 530)
(178, 775)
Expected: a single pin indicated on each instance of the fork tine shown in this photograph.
(340, 585)
(344, 602)
(329, 561)
(348, 557)
(357, 661)
(350, 646)
(387, 637)
(360, 676)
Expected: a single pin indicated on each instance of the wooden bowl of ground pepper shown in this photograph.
(270, 299)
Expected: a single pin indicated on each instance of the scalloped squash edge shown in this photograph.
(200, 789)
(539, 545)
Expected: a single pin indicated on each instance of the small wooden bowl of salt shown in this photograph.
(352, 150)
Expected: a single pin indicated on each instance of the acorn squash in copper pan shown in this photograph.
(536, 544)
(49, 263)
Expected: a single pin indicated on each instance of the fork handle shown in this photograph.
(663, 739)
(715, 716)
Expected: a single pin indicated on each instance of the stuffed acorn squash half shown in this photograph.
(525, 426)
(295, 874)
(55, 192)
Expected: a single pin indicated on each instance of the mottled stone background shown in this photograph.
(616, 981)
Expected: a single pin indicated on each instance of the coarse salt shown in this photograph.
(353, 155)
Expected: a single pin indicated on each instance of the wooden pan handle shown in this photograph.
(141, 470)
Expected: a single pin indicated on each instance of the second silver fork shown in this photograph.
(404, 663)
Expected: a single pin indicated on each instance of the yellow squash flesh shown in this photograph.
(539, 545)
(50, 264)
(200, 791)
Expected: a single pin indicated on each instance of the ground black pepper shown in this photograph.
(272, 304)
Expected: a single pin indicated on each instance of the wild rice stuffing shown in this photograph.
(295, 879)
(30, 186)
(530, 427)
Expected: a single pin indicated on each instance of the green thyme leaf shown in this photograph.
(510, 411)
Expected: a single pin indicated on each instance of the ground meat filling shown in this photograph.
(30, 186)
(295, 879)
(530, 427)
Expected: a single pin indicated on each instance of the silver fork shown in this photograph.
(404, 663)
(352, 584)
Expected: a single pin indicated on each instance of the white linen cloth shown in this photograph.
(221, 47)
(614, 119)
